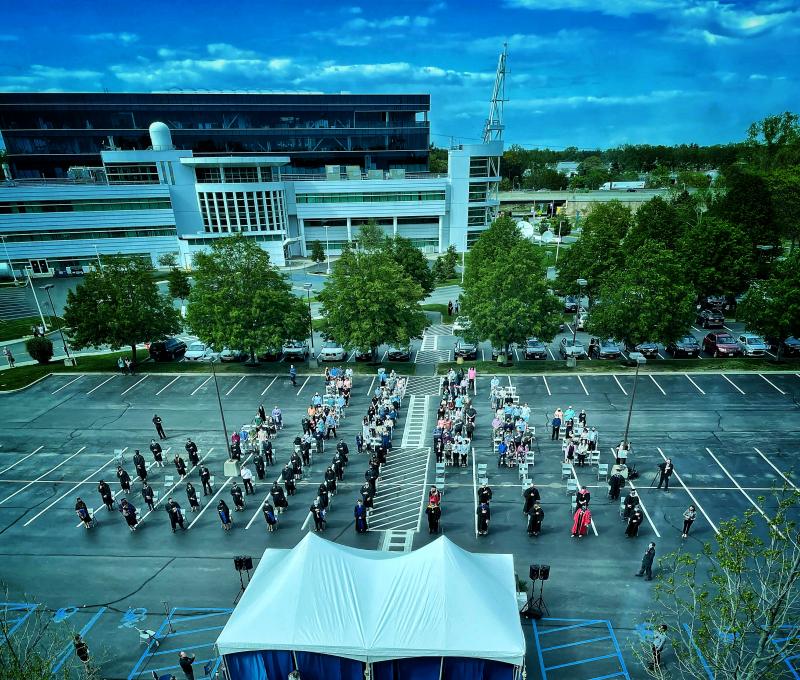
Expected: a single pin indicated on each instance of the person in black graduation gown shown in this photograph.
(157, 451)
(318, 513)
(631, 502)
(258, 463)
(224, 514)
(106, 495)
(180, 465)
(279, 497)
(191, 452)
(205, 479)
(484, 493)
(434, 513)
(148, 495)
(323, 496)
(582, 497)
(531, 496)
(288, 480)
(268, 455)
(634, 522)
(124, 479)
(366, 495)
(360, 514)
(484, 515)
(270, 516)
(140, 465)
(330, 480)
(535, 517)
(238, 497)
(191, 495)
(175, 514)
(343, 450)
(83, 513)
(615, 485)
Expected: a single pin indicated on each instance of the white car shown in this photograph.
(752, 345)
(461, 324)
(332, 351)
(228, 355)
(198, 351)
(583, 318)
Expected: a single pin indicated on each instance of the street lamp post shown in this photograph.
(327, 250)
(307, 286)
(8, 257)
(46, 289)
(640, 359)
(581, 285)
(221, 412)
(35, 298)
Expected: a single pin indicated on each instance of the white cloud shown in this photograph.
(621, 8)
(758, 76)
(123, 37)
(227, 51)
(57, 72)
(574, 101)
(437, 7)
(351, 10)
(565, 39)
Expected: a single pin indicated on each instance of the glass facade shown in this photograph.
(88, 204)
(371, 197)
(142, 173)
(242, 211)
(139, 232)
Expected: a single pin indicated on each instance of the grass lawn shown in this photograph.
(21, 328)
(442, 309)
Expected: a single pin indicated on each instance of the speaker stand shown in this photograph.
(539, 602)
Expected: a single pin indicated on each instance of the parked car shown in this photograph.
(461, 324)
(466, 350)
(604, 349)
(233, 355)
(720, 345)
(332, 351)
(198, 351)
(535, 349)
(295, 350)
(583, 318)
(710, 318)
(572, 348)
(167, 350)
(686, 346)
(364, 355)
(270, 354)
(752, 345)
(570, 304)
(648, 349)
(789, 347)
(399, 353)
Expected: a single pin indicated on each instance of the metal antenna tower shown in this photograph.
(493, 129)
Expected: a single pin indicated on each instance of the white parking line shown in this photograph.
(620, 385)
(516, 354)
(209, 503)
(199, 387)
(641, 502)
(383, 358)
(582, 385)
(575, 475)
(658, 386)
(350, 358)
(694, 383)
(167, 385)
(258, 510)
(42, 476)
(483, 354)
(660, 356)
(550, 352)
(369, 390)
(270, 385)
(769, 462)
(694, 328)
(510, 384)
(691, 495)
(67, 385)
(101, 384)
(547, 387)
(771, 354)
(772, 383)
(303, 385)
(228, 393)
(138, 382)
(13, 465)
(732, 383)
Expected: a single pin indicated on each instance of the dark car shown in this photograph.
(466, 350)
(710, 318)
(535, 349)
(570, 304)
(648, 349)
(721, 345)
(604, 349)
(399, 353)
(365, 355)
(788, 348)
(270, 354)
(687, 346)
(167, 350)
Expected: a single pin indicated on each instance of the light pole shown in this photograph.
(558, 243)
(327, 250)
(8, 257)
(221, 413)
(581, 284)
(99, 263)
(640, 359)
(36, 298)
(46, 289)
(307, 286)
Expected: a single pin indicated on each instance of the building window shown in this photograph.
(371, 197)
(477, 217)
(242, 211)
(91, 204)
(140, 173)
(139, 232)
(241, 174)
(208, 175)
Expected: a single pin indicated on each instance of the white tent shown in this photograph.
(373, 606)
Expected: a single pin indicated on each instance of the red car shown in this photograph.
(721, 345)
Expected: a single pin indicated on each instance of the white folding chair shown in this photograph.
(602, 471)
(566, 471)
(530, 459)
(572, 501)
(572, 485)
(168, 480)
(594, 458)
(525, 483)
(482, 469)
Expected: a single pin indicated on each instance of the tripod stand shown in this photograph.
(242, 584)
(655, 477)
(538, 603)
(533, 608)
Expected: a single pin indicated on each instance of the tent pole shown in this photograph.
(367, 671)
(294, 658)
(441, 667)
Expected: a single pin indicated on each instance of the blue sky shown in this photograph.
(589, 73)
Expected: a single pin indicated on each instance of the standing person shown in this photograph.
(140, 465)
(148, 495)
(318, 514)
(657, 646)
(180, 465)
(279, 498)
(631, 502)
(615, 484)
(293, 375)
(484, 515)
(106, 495)
(157, 451)
(247, 479)
(258, 463)
(129, 513)
(83, 513)
(262, 413)
(634, 522)
(175, 514)
(456, 307)
(121, 364)
(185, 661)
(556, 425)
(531, 496)
(191, 496)
(666, 468)
(124, 479)
(238, 497)
(535, 517)
(581, 521)
(269, 516)
(205, 478)
(646, 569)
(360, 514)
(689, 516)
(472, 374)
(434, 513)
(224, 513)
(159, 426)
(9, 357)
(450, 308)
(484, 493)
(191, 452)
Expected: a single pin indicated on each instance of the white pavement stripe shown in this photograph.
(67, 385)
(303, 385)
(42, 476)
(577, 481)
(101, 384)
(551, 354)
(658, 386)
(620, 385)
(744, 493)
(138, 382)
(13, 465)
(660, 356)
(694, 383)
(641, 501)
(268, 386)
(732, 383)
(228, 393)
(171, 382)
(582, 385)
(772, 383)
(547, 387)
(209, 503)
(691, 495)
(369, 389)
(510, 384)
(769, 462)
(67, 493)
(200, 386)
(424, 489)
(258, 509)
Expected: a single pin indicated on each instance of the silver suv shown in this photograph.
(752, 345)
(295, 349)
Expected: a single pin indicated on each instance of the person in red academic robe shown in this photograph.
(582, 520)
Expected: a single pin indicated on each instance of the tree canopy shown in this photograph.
(241, 301)
(119, 306)
(656, 220)
(413, 262)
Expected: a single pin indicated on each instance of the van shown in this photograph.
(167, 350)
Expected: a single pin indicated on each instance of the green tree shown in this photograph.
(784, 186)
(168, 260)
(119, 306)
(413, 262)
(658, 177)
(745, 200)
(645, 300)
(371, 237)
(370, 300)
(490, 248)
(444, 268)
(693, 179)
(437, 160)
(656, 220)
(317, 251)
(178, 284)
(40, 348)
(732, 601)
(240, 299)
(774, 141)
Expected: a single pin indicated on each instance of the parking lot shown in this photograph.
(59, 439)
